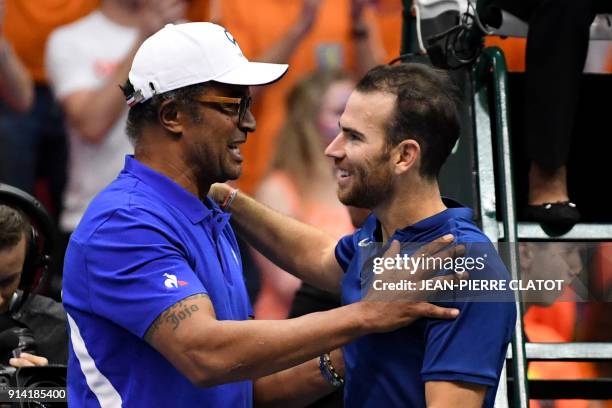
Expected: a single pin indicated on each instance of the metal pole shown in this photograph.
(497, 67)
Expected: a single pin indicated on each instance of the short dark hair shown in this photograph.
(145, 113)
(425, 111)
(13, 226)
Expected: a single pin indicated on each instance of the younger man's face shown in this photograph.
(360, 152)
(11, 265)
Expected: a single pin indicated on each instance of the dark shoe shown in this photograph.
(554, 218)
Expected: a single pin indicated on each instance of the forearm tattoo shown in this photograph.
(175, 314)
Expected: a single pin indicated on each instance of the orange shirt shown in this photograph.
(514, 51)
(560, 317)
(28, 23)
(199, 10)
(388, 15)
(555, 324)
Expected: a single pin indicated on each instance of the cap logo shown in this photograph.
(135, 98)
(231, 38)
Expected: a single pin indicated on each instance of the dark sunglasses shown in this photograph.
(243, 103)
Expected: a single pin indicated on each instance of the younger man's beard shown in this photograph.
(372, 186)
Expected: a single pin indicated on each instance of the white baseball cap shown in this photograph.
(191, 53)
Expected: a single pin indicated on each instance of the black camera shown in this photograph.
(15, 338)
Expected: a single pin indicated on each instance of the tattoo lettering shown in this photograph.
(174, 315)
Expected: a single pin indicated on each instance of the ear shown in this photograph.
(170, 117)
(407, 154)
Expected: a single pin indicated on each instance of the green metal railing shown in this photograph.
(490, 84)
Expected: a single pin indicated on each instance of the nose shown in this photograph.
(335, 149)
(248, 123)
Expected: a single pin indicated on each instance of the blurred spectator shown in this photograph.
(86, 61)
(33, 143)
(562, 261)
(308, 34)
(557, 45)
(301, 182)
(16, 86)
(551, 315)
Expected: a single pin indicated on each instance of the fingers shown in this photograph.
(436, 245)
(218, 191)
(426, 250)
(20, 362)
(437, 260)
(28, 360)
(426, 263)
(431, 264)
(435, 312)
(453, 251)
(440, 283)
(33, 359)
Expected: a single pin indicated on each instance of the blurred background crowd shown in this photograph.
(62, 119)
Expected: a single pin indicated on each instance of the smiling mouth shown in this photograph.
(342, 177)
(234, 149)
(341, 173)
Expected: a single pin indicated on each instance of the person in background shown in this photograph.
(552, 315)
(86, 62)
(44, 317)
(16, 85)
(557, 45)
(301, 180)
(33, 143)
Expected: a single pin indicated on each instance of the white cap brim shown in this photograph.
(253, 73)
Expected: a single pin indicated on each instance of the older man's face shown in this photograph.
(361, 156)
(213, 143)
(11, 265)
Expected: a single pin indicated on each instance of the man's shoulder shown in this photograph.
(466, 231)
(123, 201)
